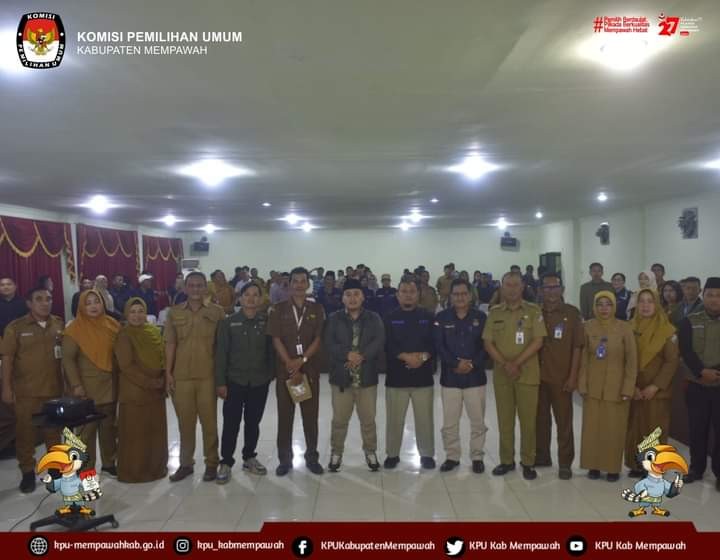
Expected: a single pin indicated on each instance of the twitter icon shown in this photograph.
(454, 547)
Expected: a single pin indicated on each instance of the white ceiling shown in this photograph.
(348, 111)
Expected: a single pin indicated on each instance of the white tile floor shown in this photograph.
(406, 493)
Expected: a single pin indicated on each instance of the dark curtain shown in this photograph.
(162, 257)
(108, 252)
(30, 249)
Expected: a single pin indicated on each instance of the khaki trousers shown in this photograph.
(106, 431)
(26, 434)
(397, 400)
(519, 399)
(453, 400)
(193, 399)
(552, 396)
(364, 399)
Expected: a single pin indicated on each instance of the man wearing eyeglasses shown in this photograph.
(559, 366)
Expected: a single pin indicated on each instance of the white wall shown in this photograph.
(559, 237)
(684, 257)
(382, 251)
(626, 252)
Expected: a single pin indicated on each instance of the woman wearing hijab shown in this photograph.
(608, 370)
(658, 358)
(142, 423)
(87, 350)
(222, 292)
(646, 279)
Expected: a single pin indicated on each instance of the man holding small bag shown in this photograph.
(296, 328)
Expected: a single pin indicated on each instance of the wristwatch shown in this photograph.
(425, 356)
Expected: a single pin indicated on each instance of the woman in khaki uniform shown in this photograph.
(222, 292)
(142, 422)
(87, 351)
(658, 358)
(608, 370)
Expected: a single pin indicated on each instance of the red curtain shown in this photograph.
(162, 257)
(33, 248)
(108, 252)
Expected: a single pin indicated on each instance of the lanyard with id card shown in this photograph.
(298, 322)
(559, 331)
(601, 351)
(520, 334)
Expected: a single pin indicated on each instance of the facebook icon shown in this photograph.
(302, 547)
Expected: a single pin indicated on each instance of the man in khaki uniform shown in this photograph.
(31, 375)
(444, 282)
(428, 298)
(559, 367)
(190, 374)
(513, 336)
(296, 326)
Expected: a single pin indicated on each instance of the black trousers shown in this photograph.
(703, 405)
(250, 401)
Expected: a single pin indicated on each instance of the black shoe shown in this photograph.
(564, 473)
(372, 461)
(691, 477)
(613, 477)
(392, 462)
(110, 471)
(636, 473)
(543, 463)
(315, 467)
(335, 462)
(283, 468)
(501, 469)
(427, 463)
(27, 484)
(478, 466)
(593, 474)
(181, 473)
(449, 465)
(529, 473)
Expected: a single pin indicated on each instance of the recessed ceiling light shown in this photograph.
(602, 197)
(502, 223)
(169, 220)
(539, 215)
(99, 204)
(434, 200)
(404, 226)
(266, 204)
(212, 172)
(712, 164)
(292, 219)
(622, 52)
(209, 228)
(307, 226)
(473, 167)
(416, 217)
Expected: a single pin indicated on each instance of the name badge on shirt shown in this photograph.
(299, 349)
(601, 351)
(57, 351)
(519, 337)
(559, 331)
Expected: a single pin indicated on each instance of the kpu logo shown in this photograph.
(41, 40)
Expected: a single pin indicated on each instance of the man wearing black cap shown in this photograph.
(700, 348)
(354, 340)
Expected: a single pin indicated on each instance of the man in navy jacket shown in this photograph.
(458, 339)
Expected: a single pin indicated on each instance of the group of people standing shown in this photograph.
(540, 355)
